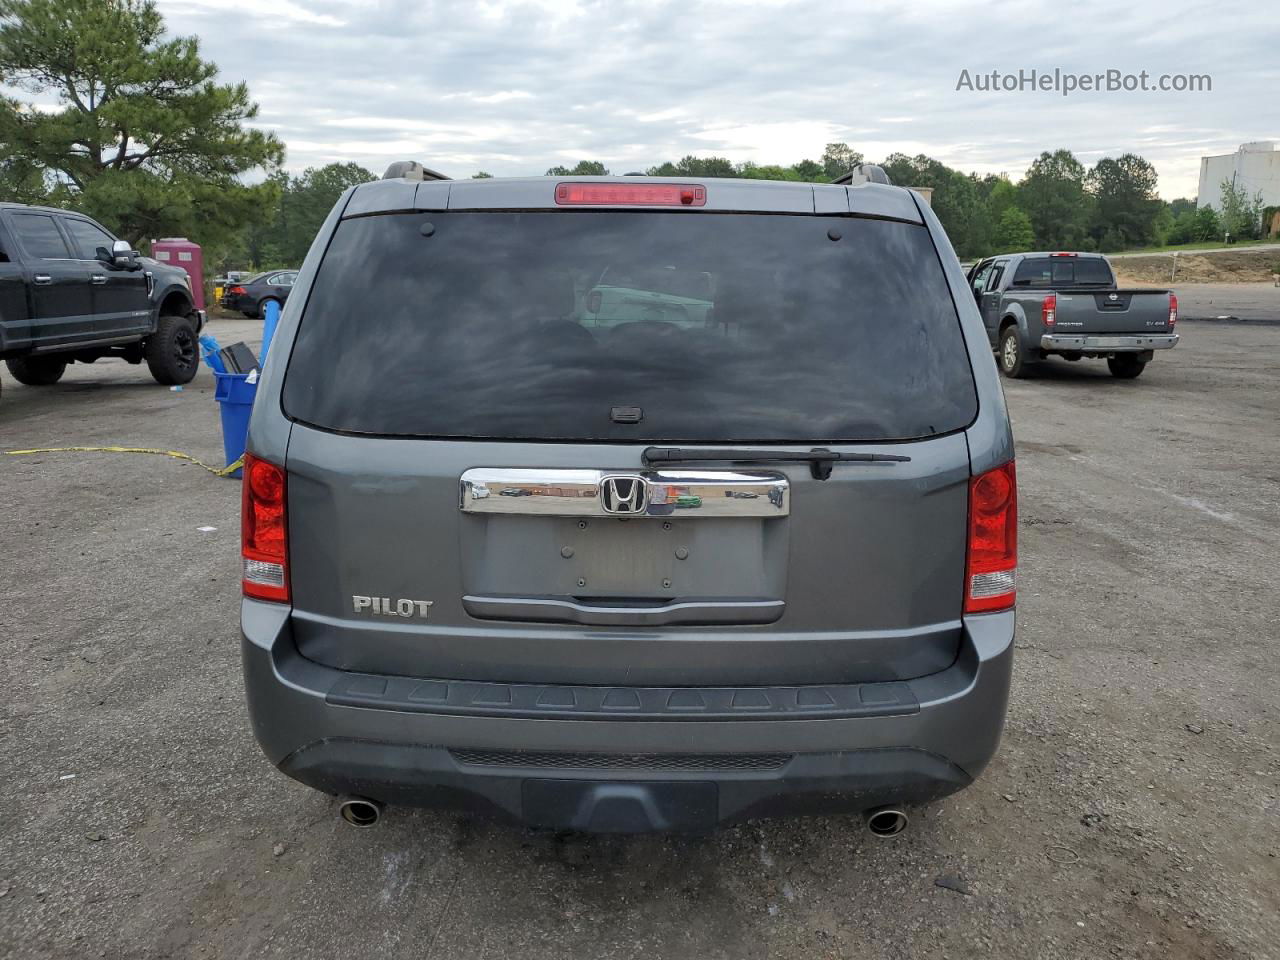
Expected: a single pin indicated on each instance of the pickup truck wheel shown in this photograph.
(172, 352)
(36, 371)
(1126, 366)
(262, 307)
(1012, 361)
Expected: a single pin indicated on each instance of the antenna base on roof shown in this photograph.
(411, 170)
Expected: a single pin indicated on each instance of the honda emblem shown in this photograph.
(623, 496)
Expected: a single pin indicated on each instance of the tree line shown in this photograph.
(145, 140)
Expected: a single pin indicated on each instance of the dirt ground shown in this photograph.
(1131, 812)
(1226, 266)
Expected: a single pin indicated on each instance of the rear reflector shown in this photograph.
(1173, 309)
(992, 564)
(631, 194)
(264, 531)
(1049, 309)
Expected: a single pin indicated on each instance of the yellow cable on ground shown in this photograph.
(216, 471)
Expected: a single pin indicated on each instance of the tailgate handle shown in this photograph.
(621, 613)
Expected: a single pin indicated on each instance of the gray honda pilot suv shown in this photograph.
(745, 546)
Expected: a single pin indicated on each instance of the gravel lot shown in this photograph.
(1131, 812)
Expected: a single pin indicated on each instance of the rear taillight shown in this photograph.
(1049, 310)
(1173, 309)
(992, 564)
(236, 290)
(594, 301)
(264, 532)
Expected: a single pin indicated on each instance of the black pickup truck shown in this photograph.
(1040, 305)
(70, 292)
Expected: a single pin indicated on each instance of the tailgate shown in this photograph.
(1113, 311)
(441, 568)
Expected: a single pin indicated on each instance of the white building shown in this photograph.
(1254, 167)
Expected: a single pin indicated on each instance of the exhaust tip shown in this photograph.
(360, 811)
(886, 821)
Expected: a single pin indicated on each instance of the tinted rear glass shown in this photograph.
(1062, 272)
(40, 236)
(719, 327)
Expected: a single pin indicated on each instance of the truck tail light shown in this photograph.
(991, 568)
(1049, 310)
(264, 531)
(1173, 310)
(595, 299)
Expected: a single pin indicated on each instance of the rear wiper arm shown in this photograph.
(819, 459)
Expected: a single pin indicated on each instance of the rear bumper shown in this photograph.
(1103, 344)
(556, 757)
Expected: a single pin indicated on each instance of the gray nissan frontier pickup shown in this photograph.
(1040, 305)
(746, 548)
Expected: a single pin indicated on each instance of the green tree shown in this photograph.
(1207, 225)
(144, 139)
(1241, 214)
(1111, 241)
(1001, 194)
(585, 168)
(1052, 194)
(691, 166)
(771, 171)
(21, 180)
(1124, 199)
(810, 171)
(303, 201)
(481, 175)
(838, 159)
(1195, 226)
(1013, 232)
(956, 199)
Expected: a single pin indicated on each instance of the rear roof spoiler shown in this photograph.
(864, 173)
(411, 170)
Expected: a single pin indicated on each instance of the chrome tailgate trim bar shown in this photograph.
(624, 494)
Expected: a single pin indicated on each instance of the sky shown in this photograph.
(516, 87)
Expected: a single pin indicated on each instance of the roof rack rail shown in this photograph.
(411, 170)
(864, 173)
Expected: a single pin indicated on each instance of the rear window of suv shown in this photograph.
(492, 325)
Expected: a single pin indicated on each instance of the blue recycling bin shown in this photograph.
(235, 396)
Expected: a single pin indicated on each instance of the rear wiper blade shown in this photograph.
(819, 459)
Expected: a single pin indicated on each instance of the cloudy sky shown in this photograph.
(516, 87)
